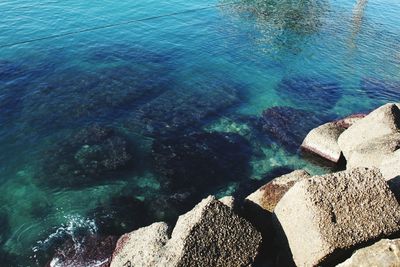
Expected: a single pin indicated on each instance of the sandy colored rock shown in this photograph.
(269, 194)
(141, 247)
(228, 201)
(385, 253)
(368, 141)
(326, 216)
(323, 141)
(209, 235)
(390, 166)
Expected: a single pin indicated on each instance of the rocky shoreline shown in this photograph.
(346, 218)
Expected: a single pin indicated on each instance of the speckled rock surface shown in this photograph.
(326, 217)
(368, 141)
(141, 247)
(323, 141)
(385, 253)
(269, 195)
(209, 235)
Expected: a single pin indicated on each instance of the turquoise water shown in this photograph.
(170, 84)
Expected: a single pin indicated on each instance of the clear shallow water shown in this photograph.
(213, 70)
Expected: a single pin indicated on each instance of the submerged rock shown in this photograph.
(315, 92)
(323, 141)
(386, 252)
(180, 110)
(87, 157)
(201, 159)
(209, 235)
(326, 217)
(92, 251)
(288, 126)
(381, 90)
(371, 139)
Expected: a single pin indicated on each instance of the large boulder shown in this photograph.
(385, 253)
(269, 194)
(209, 235)
(323, 141)
(371, 139)
(325, 217)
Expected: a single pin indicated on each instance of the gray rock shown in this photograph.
(323, 141)
(327, 216)
(368, 141)
(269, 194)
(209, 235)
(385, 253)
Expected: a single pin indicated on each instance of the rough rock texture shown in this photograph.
(390, 167)
(209, 235)
(323, 141)
(141, 247)
(385, 253)
(326, 217)
(371, 139)
(269, 195)
(94, 251)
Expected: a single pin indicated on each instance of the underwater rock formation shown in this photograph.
(86, 157)
(381, 90)
(76, 96)
(201, 159)
(179, 110)
(316, 92)
(91, 251)
(288, 126)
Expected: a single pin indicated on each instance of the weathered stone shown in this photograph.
(142, 247)
(385, 253)
(325, 217)
(323, 141)
(209, 235)
(390, 166)
(371, 139)
(269, 195)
